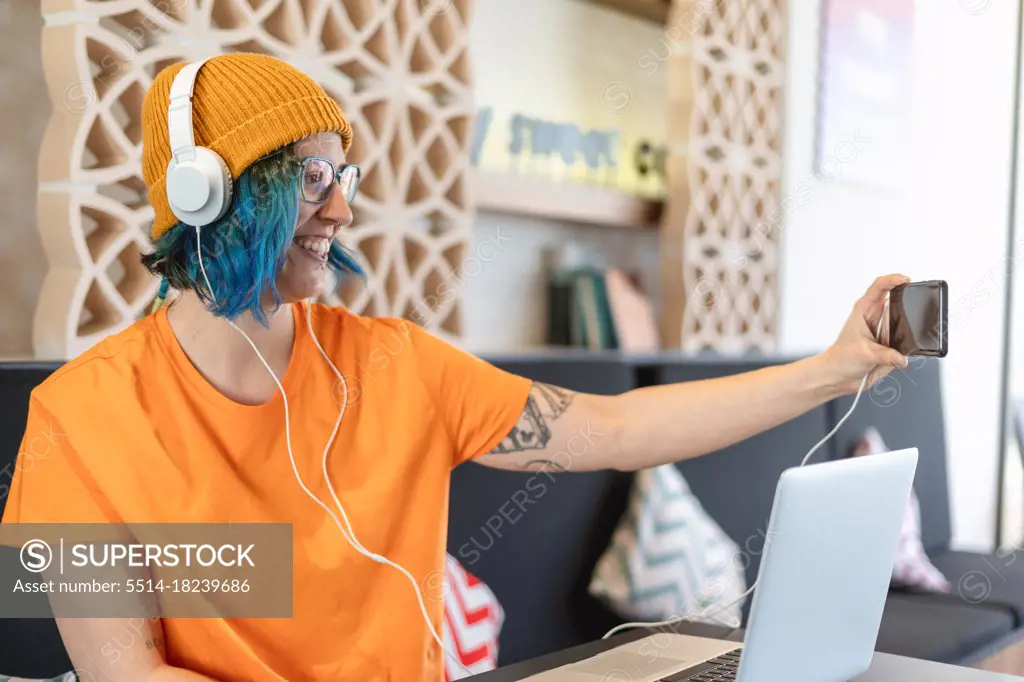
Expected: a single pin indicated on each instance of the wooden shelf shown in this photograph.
(531, 195)
(650, 10)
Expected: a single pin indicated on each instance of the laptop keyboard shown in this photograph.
(721, 669)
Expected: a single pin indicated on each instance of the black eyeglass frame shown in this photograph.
(303, 162)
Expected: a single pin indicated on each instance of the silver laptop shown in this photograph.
(831, 543)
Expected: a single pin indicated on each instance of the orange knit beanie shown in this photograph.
(244, 107)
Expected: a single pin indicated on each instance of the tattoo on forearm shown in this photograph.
(545, 404)
(556, 399)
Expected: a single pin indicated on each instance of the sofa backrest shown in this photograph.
(906, 408)
(29, 647)
(17, 379)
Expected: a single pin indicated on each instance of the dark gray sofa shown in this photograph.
(540, 566)
(537, 552)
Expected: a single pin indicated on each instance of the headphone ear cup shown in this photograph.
(199, 190)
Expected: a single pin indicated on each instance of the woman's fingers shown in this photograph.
(887, 357)
(886, 360)
(875, 295)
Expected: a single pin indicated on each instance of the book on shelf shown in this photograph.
(599, 309)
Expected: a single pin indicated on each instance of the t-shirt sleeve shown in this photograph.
(479, 403)
(48, 481)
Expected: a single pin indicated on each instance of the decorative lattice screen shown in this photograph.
(721, 228)
(400, 70)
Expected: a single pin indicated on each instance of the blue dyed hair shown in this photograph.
(244, 251)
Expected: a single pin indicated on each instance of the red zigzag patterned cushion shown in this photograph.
(472, 622)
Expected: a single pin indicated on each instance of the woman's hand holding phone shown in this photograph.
(857, 351)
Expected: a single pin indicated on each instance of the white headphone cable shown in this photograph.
(352, 540)
(330, 487)
(714, 614)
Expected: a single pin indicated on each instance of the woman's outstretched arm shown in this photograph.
(564, 430)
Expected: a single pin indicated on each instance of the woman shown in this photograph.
(178, 420)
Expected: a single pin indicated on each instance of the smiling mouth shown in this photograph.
(318, 247)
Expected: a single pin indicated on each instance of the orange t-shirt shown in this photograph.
(144, 438)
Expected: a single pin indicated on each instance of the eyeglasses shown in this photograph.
(319, 175)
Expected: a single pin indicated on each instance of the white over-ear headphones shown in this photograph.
(198, 180)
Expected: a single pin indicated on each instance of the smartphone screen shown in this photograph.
(917, 318)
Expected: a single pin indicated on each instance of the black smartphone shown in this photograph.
(918, 318)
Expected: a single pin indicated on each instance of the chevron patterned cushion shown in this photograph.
(472, 622)
(668, 558)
